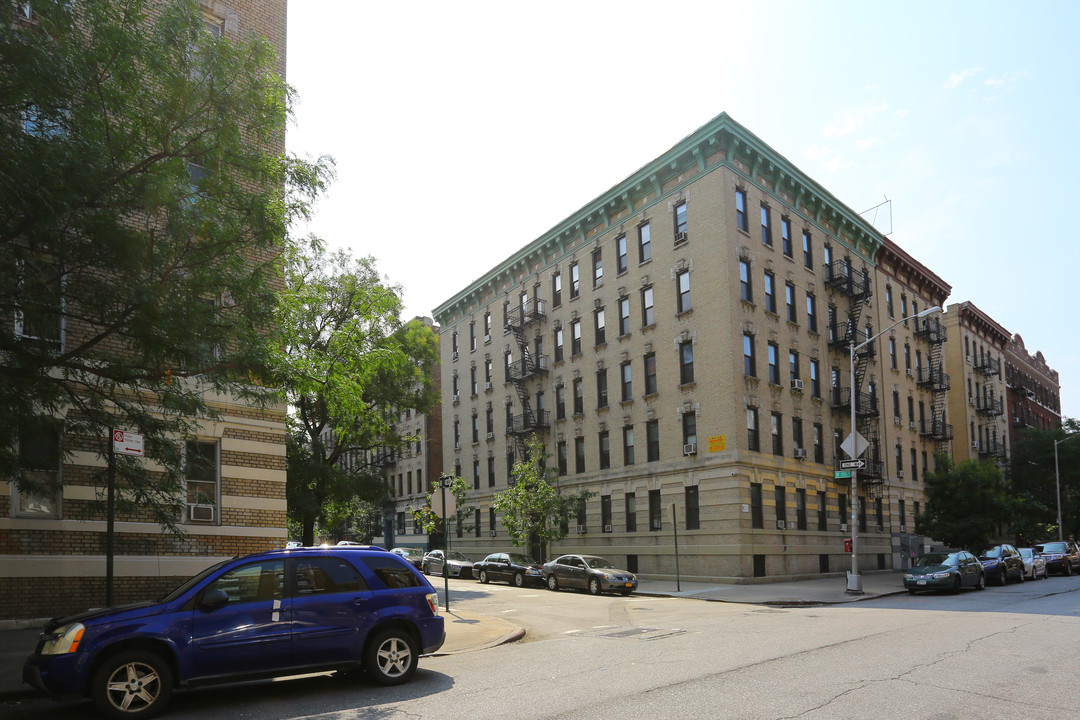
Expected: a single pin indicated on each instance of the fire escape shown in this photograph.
(854, 284)
(528, 366)
(990, 407)
(934, 378)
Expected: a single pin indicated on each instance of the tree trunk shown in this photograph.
(308, 533)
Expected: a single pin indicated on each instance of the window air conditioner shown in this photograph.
(911, 425)
(896, 420)
(843, 527)
(909, 372)
(689, 449)
(491, 436)
(800, 453)
(457, 446)
(680, 238)
(201, 513)
(975, 445)
(487, 386)
(971, 402)
(455, 354)
(656, 524)
(900, 474)
(903, 528)
(456, 399)
(607, 528)
(581, 529)
(492, 533)
(796, 384)
(487, 338)
(781, 525)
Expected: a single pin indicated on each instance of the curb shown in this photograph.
(512, 636)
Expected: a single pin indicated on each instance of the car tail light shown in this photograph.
(433, 602)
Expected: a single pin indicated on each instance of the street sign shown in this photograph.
(842, 475)
(127, 443)
(854, 445)
(717, 443)
(852, 464)
(437, 500)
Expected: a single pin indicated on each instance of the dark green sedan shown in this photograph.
(945, 571)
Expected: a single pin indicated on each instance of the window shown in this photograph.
(656, 518)
(556, 289)
(815, 379)
(796, 433)
(822, 518)
(650, 373)
(800, 508)
(628, 445)
(326, 575)
(579, 397)
(889, 300)
(472, 336)
(605, 513)
(475, 472)
(579, 455)
(819, 448)
(766, 230)
(560, 402)
(780, 501)
(785, 237)
(828, 262)
(258, 582)
(491, 471)
(682, 289)
(686, 362)
(756, 511)
(575, 337)
(652, 440)
(770, 292)
(626, 376)
(892, 353)
(689, 428)
(842, 508)
(746, 288)
(202, 478)
(601, 327)
(472, 382)
(624, 316)
(558, 345)
(601, 388)
(777, 433)
(749, 362)
(575, 281)
(605, 450)
(491, 520)
(598, 268)
(561, 454)
(457, 434)
(648, 315)
(811, 313)
(862, 514)
(692, 511)
(789, 296)
(40, 459)
(774, 364)
(680, 223)
(620, 255)
(487, 327)
(807, 250)
(752, 442)
(914, 466)
(793, 366)
(644, 243)
(40, 315)
(475, 428)
(741, 220)
(630, 504)
(907, 357)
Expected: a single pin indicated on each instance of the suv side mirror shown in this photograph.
(213, 599)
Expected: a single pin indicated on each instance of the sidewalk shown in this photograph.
(467, 632)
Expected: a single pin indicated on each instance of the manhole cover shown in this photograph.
(637, 633)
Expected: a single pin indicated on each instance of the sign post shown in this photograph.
(124, 443)
(444, 482)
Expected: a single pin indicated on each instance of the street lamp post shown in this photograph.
(854, 580)
(1057, 480)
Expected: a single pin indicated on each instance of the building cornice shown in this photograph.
(920, 276)
(975, 318)
(721, 143)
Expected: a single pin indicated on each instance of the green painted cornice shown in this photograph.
(729, 145)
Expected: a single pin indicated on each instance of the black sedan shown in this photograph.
(945, 571)
(514, 568)
(1061, 556)
(414, 556)
(588, 572)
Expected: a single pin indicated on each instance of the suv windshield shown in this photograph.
(1058, 547)
(191, 582)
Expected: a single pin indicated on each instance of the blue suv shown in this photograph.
(271, 614)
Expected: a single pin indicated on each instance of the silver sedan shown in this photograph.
(1034, 563)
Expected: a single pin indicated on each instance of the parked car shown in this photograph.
(269, 614)
(945, 571)
(1002, 563)
(348, 542)
(588, 572)
(509, 567)
(414, 556)
(458, 565)
(293, 544)
(1061, 556)
(1034, 564)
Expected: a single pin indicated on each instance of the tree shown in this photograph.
(144, 200)
(1033, 477)
(463, 512)
(533, 511)
(348, 366)
(965, 503)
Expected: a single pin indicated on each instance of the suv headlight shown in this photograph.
(63, 640)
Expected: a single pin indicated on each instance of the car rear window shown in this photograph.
(324, 575)
(393, 573)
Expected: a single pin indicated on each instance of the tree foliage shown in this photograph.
(1035, 483)
(463, 512)
(532, 509)
(348, 366)
(144, 199)
(966, 504)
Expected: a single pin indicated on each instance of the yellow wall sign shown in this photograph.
(718, 443)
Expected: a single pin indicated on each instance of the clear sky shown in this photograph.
(464, 130)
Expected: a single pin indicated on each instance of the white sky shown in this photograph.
(463, 131)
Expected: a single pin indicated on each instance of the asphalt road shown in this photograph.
(1002, 653)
